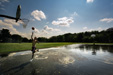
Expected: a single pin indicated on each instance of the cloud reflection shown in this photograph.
(41, 57)
(11, 54)
(108, 61)
(67, 60)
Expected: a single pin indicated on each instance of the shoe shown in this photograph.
(37, 50)
(31, 60)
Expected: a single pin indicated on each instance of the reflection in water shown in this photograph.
(93, 52)
(40, 57)
(108, 60)
(95, 48)
(67, 60)
(74, 59)
(11, 54)
(104, 53)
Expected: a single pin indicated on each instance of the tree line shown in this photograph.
(5, 36)
(105, 36)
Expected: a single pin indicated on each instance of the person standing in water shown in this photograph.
(34, 41)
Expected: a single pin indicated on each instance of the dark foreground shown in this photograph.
(66, 60)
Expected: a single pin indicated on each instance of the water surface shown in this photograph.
(76, 59)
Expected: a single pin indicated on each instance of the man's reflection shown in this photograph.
(93, 50)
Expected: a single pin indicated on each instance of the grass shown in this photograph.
(13, 47)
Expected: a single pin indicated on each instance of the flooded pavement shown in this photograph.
(73, 59)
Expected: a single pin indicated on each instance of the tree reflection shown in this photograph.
(95, 48)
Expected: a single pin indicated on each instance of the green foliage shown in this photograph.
(5, 35)
(16, 38)
(42, 39)
(25, 39)
(101, 37)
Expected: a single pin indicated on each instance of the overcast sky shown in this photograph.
(55, 17)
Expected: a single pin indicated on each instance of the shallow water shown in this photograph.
(76, 59)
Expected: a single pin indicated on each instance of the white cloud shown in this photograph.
(108, 20)
(4, 0)
(47, 22)
(64, 21)
(2, 4)
(89, 1)
(10, 26)
(32, 19)
(74, 14)
(97, 29)
(10, 21)
(50, 29)
(2, 8)
(44, 31)
(84, 28)
(38, 15)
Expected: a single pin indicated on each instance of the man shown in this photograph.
(34, 41)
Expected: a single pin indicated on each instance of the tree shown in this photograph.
(0, 36)
(5, 35)
(42, 39)
(68, 37)
(60, 38)
(105, 36)
(110, 37)
(53, 39)
(25, 39)
(16, 38)
(79, 37)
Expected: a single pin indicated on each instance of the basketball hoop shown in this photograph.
(24, 22)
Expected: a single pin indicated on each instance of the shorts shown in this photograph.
(33, 49)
